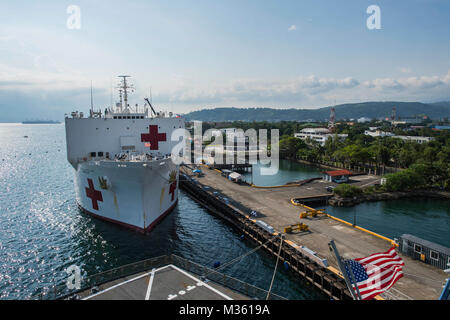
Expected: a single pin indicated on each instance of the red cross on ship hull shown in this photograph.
(173, 187)
(95, 195)
(153, 137)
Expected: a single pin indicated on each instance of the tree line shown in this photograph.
(423, 165)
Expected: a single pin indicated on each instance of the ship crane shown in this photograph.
(151, 107)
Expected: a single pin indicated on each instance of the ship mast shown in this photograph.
(121, 100)
(124, 87)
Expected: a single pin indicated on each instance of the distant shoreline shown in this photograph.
(58, 122)
(41, 122)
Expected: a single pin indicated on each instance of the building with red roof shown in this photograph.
(337, 176)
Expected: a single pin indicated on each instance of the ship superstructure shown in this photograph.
(124, 168)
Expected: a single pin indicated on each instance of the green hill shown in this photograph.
(373, 110)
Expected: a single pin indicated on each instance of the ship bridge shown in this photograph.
(123, 132)
(122, 109)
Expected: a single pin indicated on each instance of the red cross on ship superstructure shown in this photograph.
(153, 137)
(95, 195)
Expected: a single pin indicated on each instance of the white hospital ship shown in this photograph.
(124, 170)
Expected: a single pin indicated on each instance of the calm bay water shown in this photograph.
(425, 218)
(43, 232)
(288, 171)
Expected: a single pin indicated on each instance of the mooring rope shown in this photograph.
(241, 256)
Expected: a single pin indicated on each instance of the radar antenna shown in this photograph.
(124, 87)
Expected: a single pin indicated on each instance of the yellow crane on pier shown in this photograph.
(310, 212)
(296, 227)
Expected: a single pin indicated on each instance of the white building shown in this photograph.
(409, 120)
(415, 139)
(235, 139)
(320, 135)
(379, 133)
(364, 119)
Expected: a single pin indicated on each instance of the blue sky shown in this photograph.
(203, 54)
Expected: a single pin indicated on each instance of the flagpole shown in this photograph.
(445, 294)
(342, 267)
(353, 280)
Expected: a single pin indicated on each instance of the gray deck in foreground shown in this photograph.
(165, 283)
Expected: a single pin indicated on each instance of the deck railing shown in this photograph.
(234, 284)
(63, 292)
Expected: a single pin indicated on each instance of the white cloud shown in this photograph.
(32, 79)
(405, 70)
(411, 83)
(300, 90)
(310, 91)
(42, 75)
(292, 28)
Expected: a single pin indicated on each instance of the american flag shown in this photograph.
(375, 273)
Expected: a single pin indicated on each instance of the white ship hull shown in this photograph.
(135, 195)
(126, 167)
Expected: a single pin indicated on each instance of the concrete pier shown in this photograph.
(274, 207)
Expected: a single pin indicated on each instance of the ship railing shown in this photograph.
(63, 291)
(220, 278)
(129, 271)
(142, 157)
